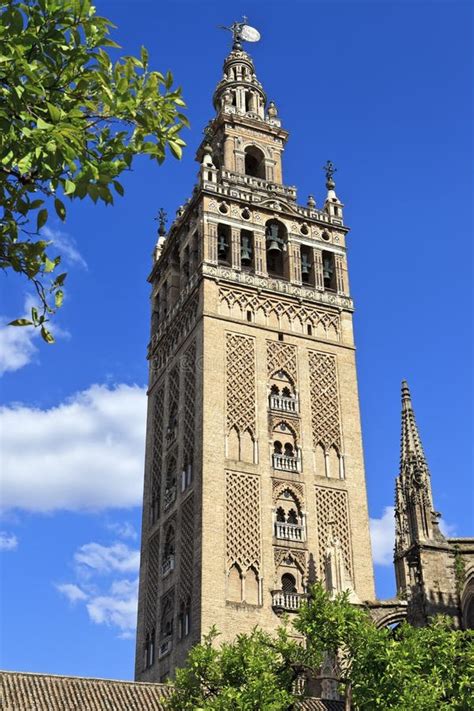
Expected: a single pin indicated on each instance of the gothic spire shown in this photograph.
(411, 443)
(415, 519)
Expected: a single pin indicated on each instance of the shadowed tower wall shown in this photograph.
(254, 476)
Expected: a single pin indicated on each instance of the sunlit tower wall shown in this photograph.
(254, 475)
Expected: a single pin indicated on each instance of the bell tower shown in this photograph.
(254, 473)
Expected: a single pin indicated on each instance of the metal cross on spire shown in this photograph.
(242, 32)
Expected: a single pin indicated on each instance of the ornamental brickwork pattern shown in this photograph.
(157, 458)
(189, 366)
(282, 356)
(332, 506)
(187, 549)
(286, 313)
(153, 576)
(243, 528)
(240, 383)
(325, 419)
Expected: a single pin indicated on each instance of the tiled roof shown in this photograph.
(22, 691)
(46, 692)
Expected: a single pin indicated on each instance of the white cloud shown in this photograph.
(72, 592)
(8, 541)
(17, 347)
(123, 530)
(118, 608)
(382, 532)
(106, 559)
(85, 454)
(447, 529)
(112, 602)
(17, 343)
(66, 245)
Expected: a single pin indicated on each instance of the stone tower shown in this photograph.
(254, 476)
(434, 574)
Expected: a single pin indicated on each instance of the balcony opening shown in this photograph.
(223, 244)
(276, 237)
(254, 162)
(289, 518)
(282, 393)
(329, 271)
(246, 249)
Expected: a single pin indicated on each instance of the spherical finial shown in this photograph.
(161, 219)
(311, 202)
(329, 169)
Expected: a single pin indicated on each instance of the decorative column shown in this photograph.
(340, 274)
(210, 242)
(235, 247)
(260, 253)
(318, 269)
(295, 262)
(229, 153)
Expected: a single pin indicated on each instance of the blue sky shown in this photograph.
(384, 89)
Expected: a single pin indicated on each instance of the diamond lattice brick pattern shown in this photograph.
(240, 389)
(243, 532)
(332, 505)
(325, 419)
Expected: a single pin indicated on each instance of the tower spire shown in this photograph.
(415, 519)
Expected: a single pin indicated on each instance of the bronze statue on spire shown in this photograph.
(242, 32)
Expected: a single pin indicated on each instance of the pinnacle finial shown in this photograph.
(161, 219)
(241, 32)
(330, 169)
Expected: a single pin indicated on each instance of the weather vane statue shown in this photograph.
(329, 169)
(242, 32)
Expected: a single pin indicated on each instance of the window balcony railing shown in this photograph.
(165, 647)
(167, 566)
(283, 404)
(170, 496)
(285, 463)
(290, 602)
(289, 531)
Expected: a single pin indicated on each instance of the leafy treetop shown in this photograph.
(71, 121)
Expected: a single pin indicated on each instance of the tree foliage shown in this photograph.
(427, 669)
(71, 121)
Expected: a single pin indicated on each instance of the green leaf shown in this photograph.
(43, 125)
(49, 265)
(69, 187)
(118, 187)
(60, 209)
(47, 335)
(21, 322)
(176, 149)
(41, 219)
(54, 112)
(58, 298)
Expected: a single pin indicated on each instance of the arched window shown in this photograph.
(288, 583)
(223, 243)
(276, 239)
(280, 515)
(275, 390)
(166, 627)
(306, 265)
(150, 649)
(277, 447)
(246, 248)
(329, 271)
(292, 517)
(184, 619)
(254, 162)
(289, 450)
(286, 392)
(169, 544)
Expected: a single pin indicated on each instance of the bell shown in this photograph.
(245, 253)
(274, 241)
(222, 247)
(328, 269)
(305, 265)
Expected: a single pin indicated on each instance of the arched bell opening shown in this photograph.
(246, 249)
(223, 244)
(276, 237)
(255, 162)
(329, 271)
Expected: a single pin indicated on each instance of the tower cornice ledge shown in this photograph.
(278, 286)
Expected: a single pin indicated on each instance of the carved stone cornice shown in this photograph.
(277, 286)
